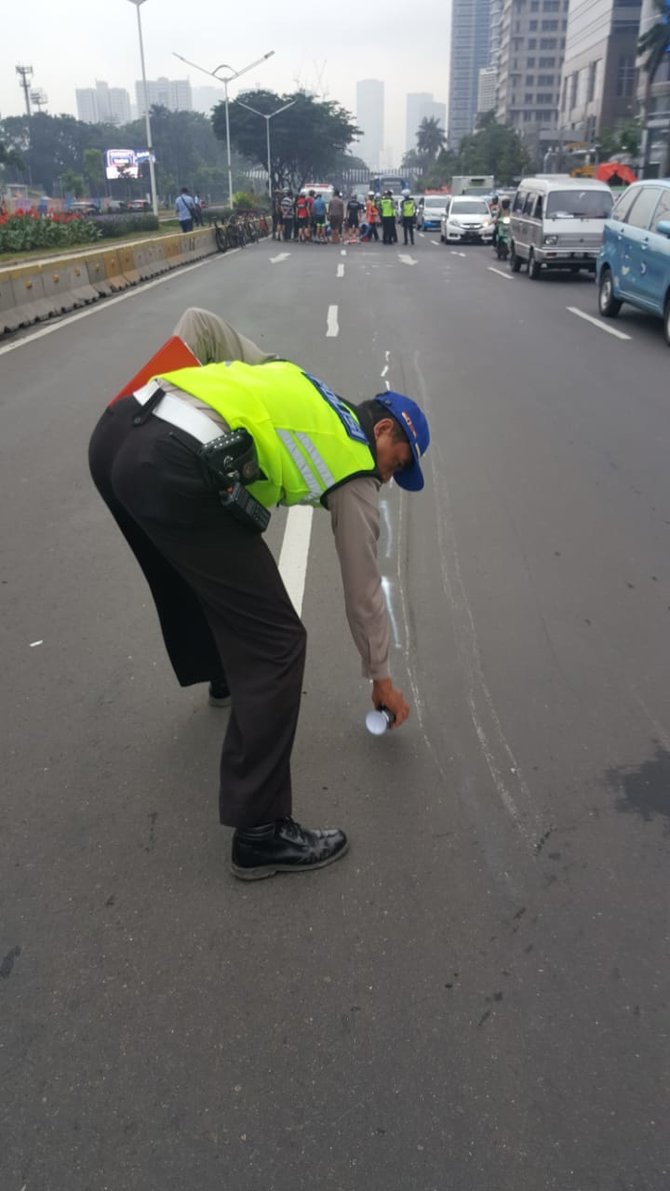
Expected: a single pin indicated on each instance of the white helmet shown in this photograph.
(406, 193)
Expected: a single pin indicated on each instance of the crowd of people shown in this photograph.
(309, 218)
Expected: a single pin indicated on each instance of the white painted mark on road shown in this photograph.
(295, 552)
(343, 252)
(387, 589)
(436, 243)
(107, 302)
(507, 276)
(454, 253)
(387, 357)
(34, 643)
(340, 270)
(406, 259)
(283, 256)
(332, 323)
(597, 323)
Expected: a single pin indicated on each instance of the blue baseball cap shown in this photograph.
(415, 425)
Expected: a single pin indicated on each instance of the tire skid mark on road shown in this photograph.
(500, 760)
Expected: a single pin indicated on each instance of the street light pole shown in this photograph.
(267, 116)
(225, 79)
(150, 150)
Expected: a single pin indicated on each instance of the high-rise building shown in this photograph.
(486, 91)
(655, 107)
(421, 106)
(173, 94)
(103, 104)
(87, 105)
(598, 87)
(532, 47)
(370, 119)
(470, 49)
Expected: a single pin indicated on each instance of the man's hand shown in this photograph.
(384, 694)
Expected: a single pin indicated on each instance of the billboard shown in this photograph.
(121, 163)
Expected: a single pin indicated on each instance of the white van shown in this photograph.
(557, 223)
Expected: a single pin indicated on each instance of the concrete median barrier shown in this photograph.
(35, 291)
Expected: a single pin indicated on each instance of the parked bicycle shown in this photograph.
(238, 230)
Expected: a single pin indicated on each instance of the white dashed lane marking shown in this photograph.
(332, 326)
(589, 318)
(340, 270)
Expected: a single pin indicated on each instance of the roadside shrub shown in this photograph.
(27, 230)
(113, 226)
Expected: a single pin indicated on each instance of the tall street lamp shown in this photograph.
(267, 116)
(225, 79)
(152, 173)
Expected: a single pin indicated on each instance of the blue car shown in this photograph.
(634, 260)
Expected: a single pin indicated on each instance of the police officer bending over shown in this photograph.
(190, 466)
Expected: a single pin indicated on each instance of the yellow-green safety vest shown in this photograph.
(308, 440)
(387, 207)
(408, 208)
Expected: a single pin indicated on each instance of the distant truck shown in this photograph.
(473, 184)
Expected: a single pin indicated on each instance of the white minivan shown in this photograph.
(557, 223)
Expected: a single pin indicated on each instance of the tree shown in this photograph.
(94, 170)
(494, 149)
(430, 137)
(653, 47)
(625, 138)
(11, 158)
(73, 184)
(307, 140)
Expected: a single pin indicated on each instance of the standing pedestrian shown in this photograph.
(197, 211)
(372, 216)
(185, 207)
(389, 233)
(287, 214)
(336, 216)
(302, 217)
(408, 212)
(192, 512)
(353, 216)
(276, 215)
(319, 213)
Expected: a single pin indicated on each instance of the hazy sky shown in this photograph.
(72, 44)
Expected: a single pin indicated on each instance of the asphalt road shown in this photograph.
(476, 997)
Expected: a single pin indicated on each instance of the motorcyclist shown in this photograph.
(494, 208)
(500, 227)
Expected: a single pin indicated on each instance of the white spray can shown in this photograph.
(379, 721)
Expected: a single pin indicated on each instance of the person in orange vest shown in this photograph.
(372, 216)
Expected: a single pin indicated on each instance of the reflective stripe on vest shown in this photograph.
(297, 446)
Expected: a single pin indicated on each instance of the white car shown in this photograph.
(467, 220)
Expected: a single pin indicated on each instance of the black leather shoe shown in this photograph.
(219, 695)
(284, 847)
